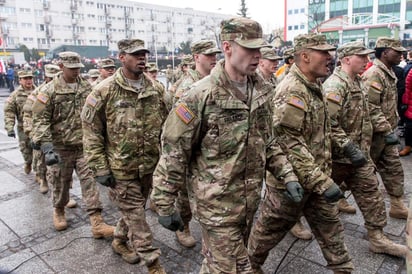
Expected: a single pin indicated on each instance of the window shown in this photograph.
(296, 27)
(302, 26)
(296, 11)
(302, 10)
(290, 12)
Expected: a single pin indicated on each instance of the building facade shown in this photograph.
(44, 24)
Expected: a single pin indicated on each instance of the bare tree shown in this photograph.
(315, 17)
(243, 9)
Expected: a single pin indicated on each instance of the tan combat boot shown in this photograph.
(345, 207)
(398, 210)
(379, 243)
(121, 248)
(300, 231)
(71, 204)
(99, 228)
(405, 151)
(156, 268)
(27, 168)
(44, 187)
(59, 219)
(184, 237)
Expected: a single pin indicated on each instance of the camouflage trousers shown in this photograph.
(409, 239)
(388, 164)
(183, 205)
(278, 215)
(60, 177)
(25, 146)
(364, 185)
(39, 166)
(130, 197)
(224, 249)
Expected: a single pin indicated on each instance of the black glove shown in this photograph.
(50, 157)
(172, 222)
(333, 193)
(294, 191)
(391, 139)
(355, 155)
(34, 145)
(106, 180)
(403, 109)
(11, 133)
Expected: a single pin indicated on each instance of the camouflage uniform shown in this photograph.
(56, 120)
(269, 54)
(13, 110)
(224, 139)
(169, 76)
(102, 64)
(187, 60)
(122, 126)
(284, 70)
(380, 81)
(302, 122)
(351, 124)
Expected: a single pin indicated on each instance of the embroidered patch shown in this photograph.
(334, 97)
(185, 114)
(32, 97)
(42, 98)
(376, 85)
(297, 102)
(91, 100)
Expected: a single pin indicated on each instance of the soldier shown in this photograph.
(169, 76)
(122, 121)
(93, 75)
(152, 70)
(284, 70)
(13, 110)
(220, 133)
(184, 66)
(106, 69)
(268, 65)
(302, 123)
(352, 135)
(380, 81)
(57, 130)
(39, 166)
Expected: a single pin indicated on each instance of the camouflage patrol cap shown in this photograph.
(131, 45)
(204, 47)
(386, 42)
(25, 73)
(106, 63)
(269, 54)
(187, 60)
(353, 48)
(287, 53)
(152, 67)
(70, 59)
(51, 70)
(93, 73)
(243, 31)
(312, 41)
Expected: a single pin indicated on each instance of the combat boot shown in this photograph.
(156, 268)
(405, 151)
(44, 187)
(184, 237)
(379, 243)
(71, 204)
(37, 179)
(99, 228)
(300, 231)
(59, 219)
(257, 270)
(27, 168)
(121, 248)
(398, 210)
(345, 207)
(341, 272)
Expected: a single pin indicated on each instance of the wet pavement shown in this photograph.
(29, 243)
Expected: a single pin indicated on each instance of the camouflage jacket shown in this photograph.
(13, 108)
(27, 112)
(98, 80)
(121, 127)
(56, 113)
(186, 81)
(225, 144)
(302, 123)
(273, 81)
(347, 103)
(380, 81)
(169, 75)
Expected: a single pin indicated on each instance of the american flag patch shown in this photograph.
(32, 97)
(185, 114)
(91, 100)
(297, 102)
(334, 97)
(42, 98)
(376, 85)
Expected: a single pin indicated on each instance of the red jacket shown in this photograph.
(407, 96)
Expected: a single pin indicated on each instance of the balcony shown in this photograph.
(75, 21)
(47, 19)
(46, 5)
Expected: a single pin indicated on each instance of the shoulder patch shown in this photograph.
(334, 97)
(297, 102)
(91, 100)
(43, 98)
(184, 113)
(376, 85)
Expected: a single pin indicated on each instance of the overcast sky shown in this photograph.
(269, 13)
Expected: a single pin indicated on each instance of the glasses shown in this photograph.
(109, 68)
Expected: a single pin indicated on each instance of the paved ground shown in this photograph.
(29, 244)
